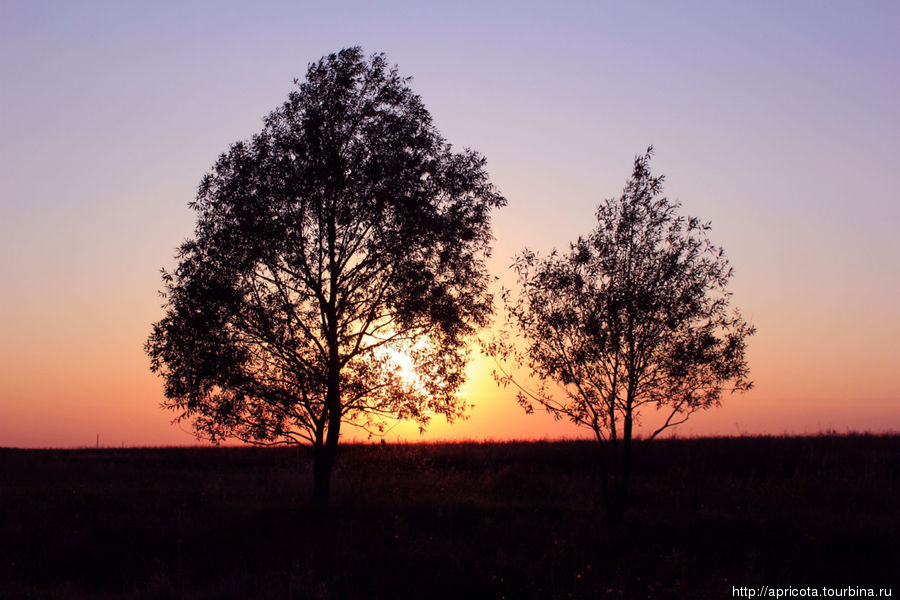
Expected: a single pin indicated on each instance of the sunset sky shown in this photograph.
(777, 121)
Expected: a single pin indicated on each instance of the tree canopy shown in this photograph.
(636, 315)
(346, 234)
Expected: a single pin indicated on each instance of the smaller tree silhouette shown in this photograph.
(635, 316)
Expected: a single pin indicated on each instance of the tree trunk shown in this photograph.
(323, 462)
(326, 453)
(615, 497)
(618, 475)
(613, 481)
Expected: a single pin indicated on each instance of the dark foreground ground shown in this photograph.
(514, 520)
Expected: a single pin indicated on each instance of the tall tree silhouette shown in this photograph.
(344, 235)
(635, 315)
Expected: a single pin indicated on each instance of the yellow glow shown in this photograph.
(402, 366)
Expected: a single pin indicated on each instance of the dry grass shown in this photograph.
(497, 520)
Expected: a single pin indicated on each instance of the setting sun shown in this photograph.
(401, 364)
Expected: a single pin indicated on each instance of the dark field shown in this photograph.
(504, 520)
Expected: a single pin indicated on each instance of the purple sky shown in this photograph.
(776, 121)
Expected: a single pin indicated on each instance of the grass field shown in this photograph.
(492, 520)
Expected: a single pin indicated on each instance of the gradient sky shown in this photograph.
(777, 121)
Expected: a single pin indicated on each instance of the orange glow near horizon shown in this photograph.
(78, 371)
(69, 405)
